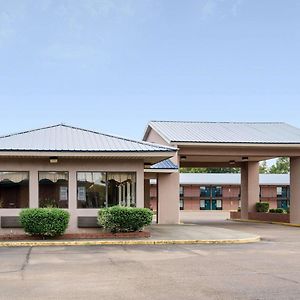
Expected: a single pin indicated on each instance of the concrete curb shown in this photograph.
(128, 242)
(265, 222)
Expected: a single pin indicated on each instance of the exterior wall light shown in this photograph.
(183, 157)
(232, 162)
(245, 158)
(53, 160)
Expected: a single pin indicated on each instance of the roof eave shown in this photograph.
(63, 153)
(235, 144)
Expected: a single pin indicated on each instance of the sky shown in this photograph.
(114, 65)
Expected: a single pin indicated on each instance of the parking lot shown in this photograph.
(269, 269)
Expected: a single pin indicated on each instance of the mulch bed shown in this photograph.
(72, 236)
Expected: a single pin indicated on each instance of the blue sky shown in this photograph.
(114, 65)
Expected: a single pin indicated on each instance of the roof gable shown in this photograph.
(225, 132)
(68, 138)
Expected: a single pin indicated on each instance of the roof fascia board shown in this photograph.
(164, 154)
(161, 170)
(271, 145)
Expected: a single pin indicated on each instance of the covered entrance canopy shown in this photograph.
(167, 182)
(234, 144)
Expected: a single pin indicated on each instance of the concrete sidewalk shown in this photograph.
(160, 234)
(196, 232)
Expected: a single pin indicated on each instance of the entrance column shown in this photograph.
(168, 198)
(249, 187)
(295, 190)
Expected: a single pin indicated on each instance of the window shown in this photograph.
(14, 189)
(202, 204)
(205, 191)
(102, 189)
(121, 189)
(181, 204)
(283, 195)
(53, 189)
(279, 191)
(91, 189)
(216, 191)
(181, 191)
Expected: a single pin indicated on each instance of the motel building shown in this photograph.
(207, 191)
(81, 170)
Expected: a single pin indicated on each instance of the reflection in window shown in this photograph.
(121, 189)
(53, 189)
(181, 204)
(205, 191)
(91, 189)
(216, 191)
(181, 191)
(14, 189)
(283, 195)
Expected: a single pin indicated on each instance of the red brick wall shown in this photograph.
(191, 204)
(231, 191)
(269, 194)
(230, 204)
(191, 191)
(230, 199)
(153, 203)
(153, 190)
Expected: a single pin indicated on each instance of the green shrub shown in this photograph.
(287, 210)
(45, 222)
(124, 219)
(277, 210)
(262, 206)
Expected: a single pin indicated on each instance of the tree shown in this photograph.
(263, 167)
(282, 166)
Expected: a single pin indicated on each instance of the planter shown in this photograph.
(268, 217)
(75, 236)
(235, 215)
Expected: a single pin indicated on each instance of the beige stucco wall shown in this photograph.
(295, 190)
(168, 187)
(154, 137)
(34, 165)
(249, 187)
(168, 198)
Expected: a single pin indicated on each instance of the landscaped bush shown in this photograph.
(124, 219)
(277, 210)
(262, 206)
(44, 222)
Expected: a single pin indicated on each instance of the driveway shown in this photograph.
(269, 269)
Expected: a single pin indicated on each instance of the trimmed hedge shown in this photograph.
(277, 210)
(44, 222)
(124, 219)
(262, 206)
